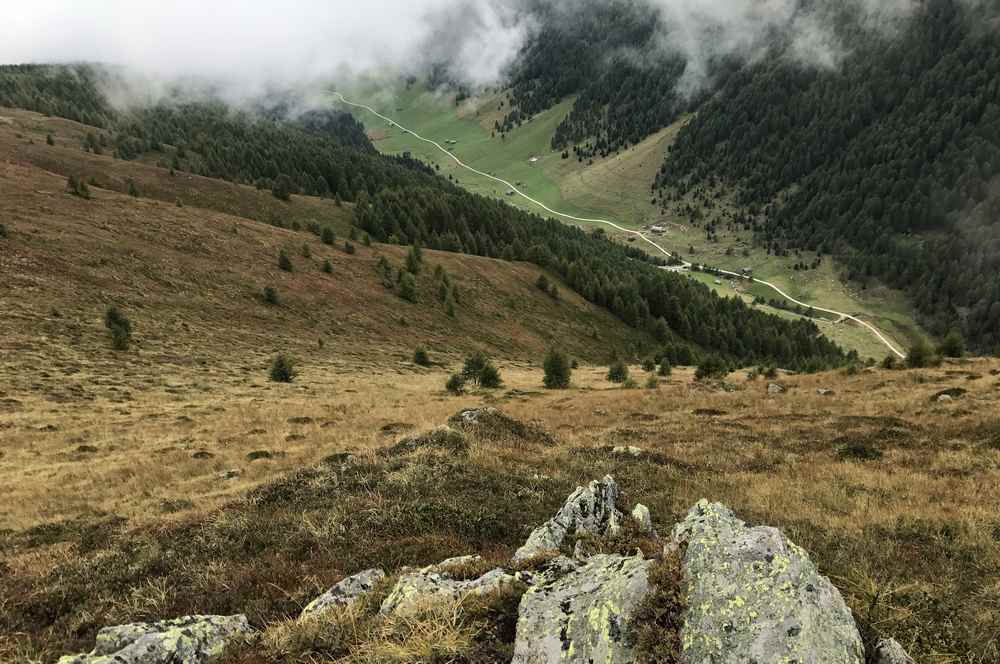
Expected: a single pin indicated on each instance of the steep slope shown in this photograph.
(884, 155)
(891, 163)
(399, 200)
(192, 281)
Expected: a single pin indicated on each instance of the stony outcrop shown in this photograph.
(442, 439)
(643, 519)
(753, 596)
(188, 640)
(493, 424)
(436, 583)
(584, 615)
(345, 593)
(889, 651)
(589, 510)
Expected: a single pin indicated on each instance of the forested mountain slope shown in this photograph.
(891, 163)
(399, 200)
(888, 158)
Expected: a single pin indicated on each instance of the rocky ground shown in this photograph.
(887, 487)
(743, 595)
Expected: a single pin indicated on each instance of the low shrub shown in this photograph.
(455, 384)
(120, 327)
(618, 372)
(283, 369)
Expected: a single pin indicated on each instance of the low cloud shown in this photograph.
(243, 50)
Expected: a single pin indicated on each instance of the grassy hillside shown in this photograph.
(890, 491)
(615, 188)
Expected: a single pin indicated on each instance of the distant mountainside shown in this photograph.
(890, 160)
(400, 201)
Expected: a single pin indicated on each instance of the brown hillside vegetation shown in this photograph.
(173, 478)
(892, 491)
(23, 137)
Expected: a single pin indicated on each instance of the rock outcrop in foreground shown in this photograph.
(436, 583)
(590, 510)
(750, 595)
(188, 640)
(584, 616)
(753, 596)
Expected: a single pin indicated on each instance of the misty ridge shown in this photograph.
(252, 55)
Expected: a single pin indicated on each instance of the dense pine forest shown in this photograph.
(400, 200)
(889, 161)
(675, 309)
(607, 55)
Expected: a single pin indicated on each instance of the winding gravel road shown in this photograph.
(841, 315)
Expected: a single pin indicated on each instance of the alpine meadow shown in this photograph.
(513, 331)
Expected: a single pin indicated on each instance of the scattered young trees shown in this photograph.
(407, 287)
(480, 370)
(270, 296)
(283, 188)
(120, 327)
(557, 370)
(421, 358)
(618, 372)
(921, 355)
(78, 187)
(711, 366)
(283, 369)
(284, 262)
(414, 260)
(953, 345)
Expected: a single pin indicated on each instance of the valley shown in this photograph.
(523, 170)
(508, 332)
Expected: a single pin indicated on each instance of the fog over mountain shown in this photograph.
(243, 49)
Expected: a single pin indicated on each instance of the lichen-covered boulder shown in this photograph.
(583, 616)
(187, 640)
(589, 510)
(493, 424)
(441, 439)
(345, 593)
(436, 583)
(889, 651)
(643, 519)
(753, 596)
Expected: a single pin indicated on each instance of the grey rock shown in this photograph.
(753, 596)
(230, 474)
(775, 388)
(627, 450)
(889, 651)
(548, 571)
(589, 510)
(345, 593)
(434, 584)
(642, 518)
(584, 615)
(825, 392)
(187, 640)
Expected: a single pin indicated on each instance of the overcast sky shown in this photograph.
(249, 45)
(256, 40)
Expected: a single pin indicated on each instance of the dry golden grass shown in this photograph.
(908, 538)
(114, 509)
